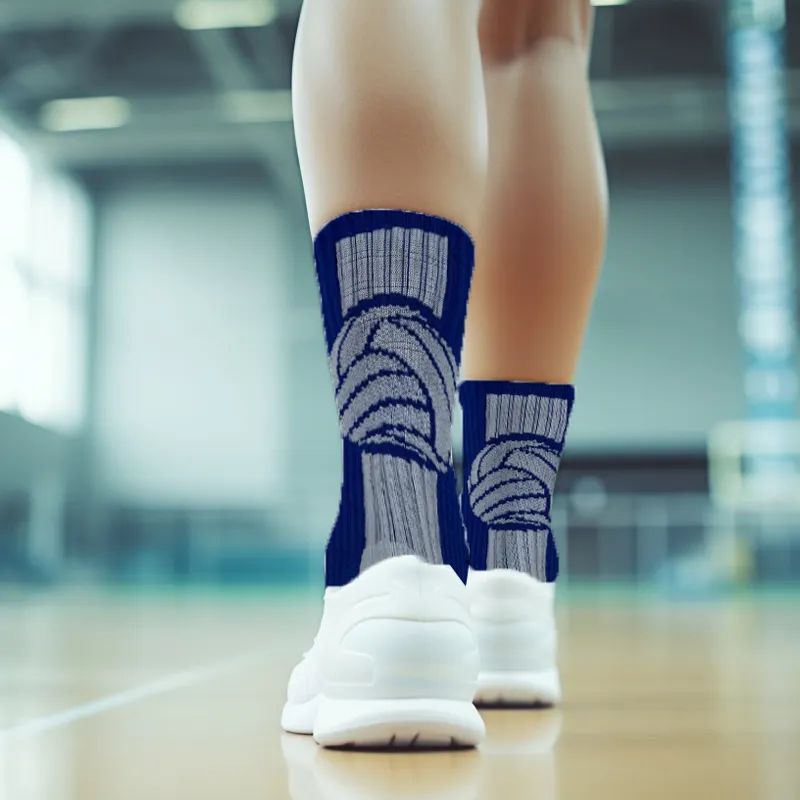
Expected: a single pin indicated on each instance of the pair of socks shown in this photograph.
(394, 287)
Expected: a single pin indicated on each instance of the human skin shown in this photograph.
(481, 114)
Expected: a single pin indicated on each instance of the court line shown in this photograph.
(169, 683)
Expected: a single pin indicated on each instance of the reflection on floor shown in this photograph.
(106, 697)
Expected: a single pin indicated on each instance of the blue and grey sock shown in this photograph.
(513, 438)
(394, 289)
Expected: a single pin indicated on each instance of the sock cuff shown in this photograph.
(380, 257)
(494, 409)
(477, 391)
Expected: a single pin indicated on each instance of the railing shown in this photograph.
(640, 539)
(683, 539)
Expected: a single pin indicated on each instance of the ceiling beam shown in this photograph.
(177, 143)
(49, 14)
(631, 114)
(231, 73)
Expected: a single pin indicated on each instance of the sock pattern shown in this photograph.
(513, 439)
(394, 289)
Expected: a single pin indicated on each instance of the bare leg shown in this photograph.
(390, 109)
(542, 235)
(390, 115)
(391, 131)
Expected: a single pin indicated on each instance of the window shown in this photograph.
(15, 199)
(44, 235)
(13, 319)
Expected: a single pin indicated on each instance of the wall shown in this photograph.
(189, 405)
(212, 382)
(29, 452)
(661, 364)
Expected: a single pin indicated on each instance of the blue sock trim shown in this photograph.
(551, 566)
(473, 403)
(471, 392)
(346, 543)
(451, 527)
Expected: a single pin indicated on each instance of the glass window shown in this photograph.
(13, 333)
(59, 232)
(51, 376)
(44, 255)
(15, 199)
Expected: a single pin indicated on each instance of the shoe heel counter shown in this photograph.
(406, 633)
(514, 622)
(518, 646)
(505, 596)
(408, 588)
(403, 659)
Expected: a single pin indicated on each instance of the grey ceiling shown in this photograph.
(658, 72)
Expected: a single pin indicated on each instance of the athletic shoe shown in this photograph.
(514, 622)
(395, 663)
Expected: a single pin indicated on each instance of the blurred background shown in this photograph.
(166, 414)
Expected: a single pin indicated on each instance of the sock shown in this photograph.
(394, 289)
(513, 439)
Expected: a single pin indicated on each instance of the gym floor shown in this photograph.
(107, 695)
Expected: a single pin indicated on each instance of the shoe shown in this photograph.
(514, 622)
(395, 663)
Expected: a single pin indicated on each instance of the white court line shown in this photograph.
(169, 683)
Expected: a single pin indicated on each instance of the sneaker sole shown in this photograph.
(402, 724)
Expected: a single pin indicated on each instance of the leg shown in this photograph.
(389, 108)
(539, 249)
(391, 130)
(390, 114)
(543, 231)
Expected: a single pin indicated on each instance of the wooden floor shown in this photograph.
(121, 698)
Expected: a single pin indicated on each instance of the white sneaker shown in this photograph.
(514, 622)
(395, 663)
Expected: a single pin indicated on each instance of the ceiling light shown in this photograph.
(610, 2)
(85, 114)
(203, 15)
(257, 106)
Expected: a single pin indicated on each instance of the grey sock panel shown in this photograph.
(394, 289)
(401, 514)
(524, 551)
(513, 438)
